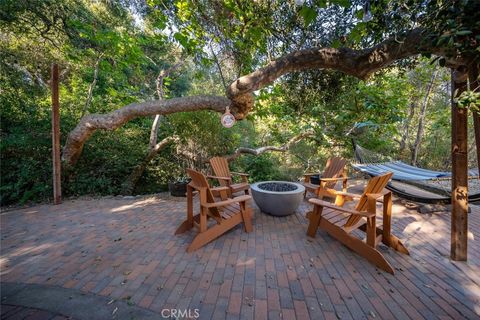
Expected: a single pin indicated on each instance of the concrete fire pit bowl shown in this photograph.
(277, 198)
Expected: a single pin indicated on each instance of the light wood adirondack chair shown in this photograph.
(334, 172)
(226, 213)
(224, 177)
(340, 222)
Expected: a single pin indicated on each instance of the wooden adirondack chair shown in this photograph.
(226, 213)
(334, 172)
(340, 222)
(224, 177)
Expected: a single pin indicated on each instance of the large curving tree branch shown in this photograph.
(111, 121)
(358, 63)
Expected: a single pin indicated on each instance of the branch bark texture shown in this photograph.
(111, 121)
(358, 63)
(260, 150)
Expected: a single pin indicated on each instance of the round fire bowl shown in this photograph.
(277, 198)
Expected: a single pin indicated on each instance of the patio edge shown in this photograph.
(70, 302)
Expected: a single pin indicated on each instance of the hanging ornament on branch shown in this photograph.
(228, 120)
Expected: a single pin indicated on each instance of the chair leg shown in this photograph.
(357, 245)
(214, 232)
(396, 244)
(315, 218)
(188, 224)
(247, 218)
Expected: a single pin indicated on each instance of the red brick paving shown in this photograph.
(9, 312)
(126, 249)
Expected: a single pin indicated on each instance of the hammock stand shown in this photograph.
(374, 164)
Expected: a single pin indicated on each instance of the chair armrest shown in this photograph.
(227, 202)
(240, 174)
(220, 189)
(348, 194)
(377, 196)
(220, 178)
(374, 195)
(321, 203)
(334, 179)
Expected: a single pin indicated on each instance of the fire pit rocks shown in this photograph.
(277, 198)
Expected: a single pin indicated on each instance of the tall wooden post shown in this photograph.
(57, 188)
(476, 128)
(474, 85)
(459, 228)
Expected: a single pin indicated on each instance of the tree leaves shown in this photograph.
(309, 14)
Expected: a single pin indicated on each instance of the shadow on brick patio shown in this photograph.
(125, 249)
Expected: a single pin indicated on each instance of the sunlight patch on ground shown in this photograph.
(137, 204)
(30, 250)
(435, 228)
(4, 262)
(247, 262)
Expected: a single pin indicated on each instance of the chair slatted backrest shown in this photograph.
(199, 182)
(375, 185)
(334, 169)
(220, 168)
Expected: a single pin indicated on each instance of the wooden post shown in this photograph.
(459, 224)
(57, 188)
(476, 128)
(474, 85)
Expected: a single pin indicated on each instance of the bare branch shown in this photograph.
(92, 85)
(283, 148)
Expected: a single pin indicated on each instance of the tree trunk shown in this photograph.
(406, 127)
(459, 223)
(421, 120)
(92, 85)
(129, 185)
(161, 95)
(153, 147)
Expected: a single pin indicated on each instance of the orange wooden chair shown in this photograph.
(334, 172)
(224, 177)
(340, 222)
(226, 213)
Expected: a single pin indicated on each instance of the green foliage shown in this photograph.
(76, 35)
(127, 53)
(469, 99)
(260, 168)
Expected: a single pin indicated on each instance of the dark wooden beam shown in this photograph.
(57, 188)
(474, 85)
(459, 224)
(476, 127)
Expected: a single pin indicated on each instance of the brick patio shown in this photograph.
(125, 249)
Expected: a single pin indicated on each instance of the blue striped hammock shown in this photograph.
(403, 171)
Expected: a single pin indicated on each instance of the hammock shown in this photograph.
(375, 164)
(403, 171)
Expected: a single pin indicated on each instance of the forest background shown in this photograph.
(112, 53)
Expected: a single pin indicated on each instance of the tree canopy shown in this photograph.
(241, 54)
